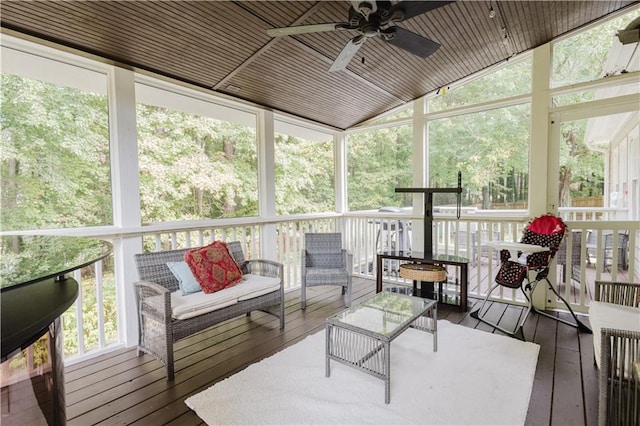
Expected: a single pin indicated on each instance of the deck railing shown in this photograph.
(92, 321)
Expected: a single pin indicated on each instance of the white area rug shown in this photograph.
(474, 378)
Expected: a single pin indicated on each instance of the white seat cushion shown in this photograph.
(195, 304)
(192, 305)
(609, 315)
(254, 286)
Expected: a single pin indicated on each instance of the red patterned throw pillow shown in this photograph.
(213, 267)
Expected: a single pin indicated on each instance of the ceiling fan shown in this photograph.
(374, 19)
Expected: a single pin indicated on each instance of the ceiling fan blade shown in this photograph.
(413, 43)
(305, 29)
(347, 53)
(408, 9)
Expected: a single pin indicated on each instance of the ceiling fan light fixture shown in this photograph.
(365, 8)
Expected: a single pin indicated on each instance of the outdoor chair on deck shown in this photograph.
(615, 317)
(607, 248)
(546, 231)
(468, 245)
(325, 262)
(623, 242)
(576, 255)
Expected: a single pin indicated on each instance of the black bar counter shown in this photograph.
(35, 292)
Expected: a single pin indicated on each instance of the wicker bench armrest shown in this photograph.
(267, 268)
(618, 341)
(347, 260)
(626, 294)
(153, 299)
(618, 389)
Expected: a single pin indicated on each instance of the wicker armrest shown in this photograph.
(623, 343)
(153, 299)
(347, 258)
(619, 403)
(267, 268)
(626, 294)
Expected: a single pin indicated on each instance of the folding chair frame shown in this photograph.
(527, 290)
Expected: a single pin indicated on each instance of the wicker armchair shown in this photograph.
(325, 262)
(619, 349)
(157, 328)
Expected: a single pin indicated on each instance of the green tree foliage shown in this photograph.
(304, 176)
(491, 150)
(54, 154)
(194, 167)
(378, 162)
(25, 258)
(509, 81)
(90, 314)
(581, 169)
(582, 57)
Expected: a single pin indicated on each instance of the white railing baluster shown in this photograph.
(100, 303)
(79, 313)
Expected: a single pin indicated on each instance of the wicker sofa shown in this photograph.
(615, 318)
(158, 297)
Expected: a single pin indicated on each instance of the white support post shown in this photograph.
(542, 184)
(543, 160)
(340, 180)
(267, 183)
(126, 196)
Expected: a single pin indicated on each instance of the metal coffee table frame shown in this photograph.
(361, 336)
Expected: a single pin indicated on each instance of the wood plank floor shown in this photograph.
(122, 388)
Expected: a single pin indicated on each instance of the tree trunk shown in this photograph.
(229, 153)
(486, 202)
(564, 196)
(566, 174)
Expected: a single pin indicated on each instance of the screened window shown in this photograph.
(586, 180)
(491, 150)
(581, 179)
(192, 165)
(511, 80)
(595, 94)
(54, 144)
(595, 53)
(304, 170)
(379, 161)
(400, 114)
(195, 163)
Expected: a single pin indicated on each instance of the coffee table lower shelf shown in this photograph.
(370, 351)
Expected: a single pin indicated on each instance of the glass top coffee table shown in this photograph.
(361, 336)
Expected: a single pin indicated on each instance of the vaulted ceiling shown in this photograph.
(223, 46)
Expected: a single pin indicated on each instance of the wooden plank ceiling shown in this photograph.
(223, 46)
